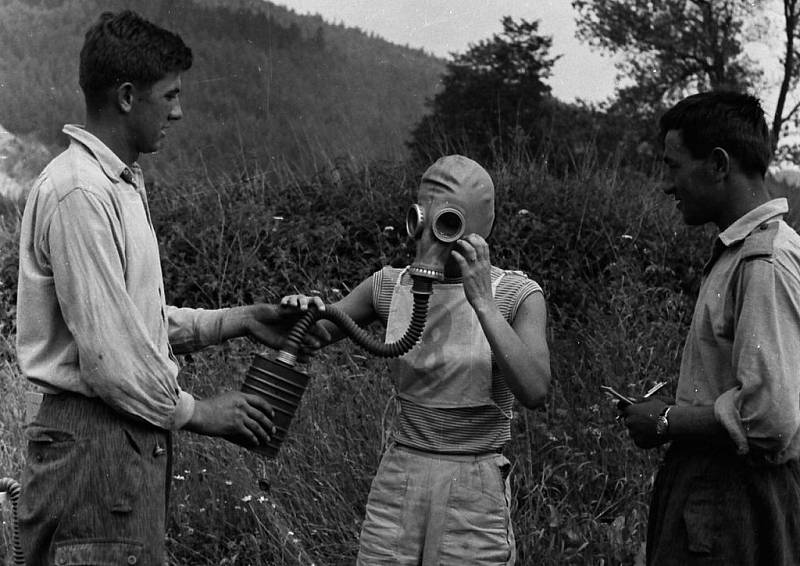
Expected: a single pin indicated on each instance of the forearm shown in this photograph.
(194, 329)
(687, 422)
(525, 367)
(236, 321)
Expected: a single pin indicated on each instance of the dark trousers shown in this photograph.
(712, 507)
(94, 486)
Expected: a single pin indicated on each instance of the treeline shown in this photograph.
(267, 84)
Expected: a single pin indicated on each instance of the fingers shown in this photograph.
(259, 404)
(257, 423)
(303, 302)
(473, 249)
(462, 262)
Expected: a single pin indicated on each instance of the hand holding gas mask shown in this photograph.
(454, 215)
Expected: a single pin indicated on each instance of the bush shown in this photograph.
(619, 272)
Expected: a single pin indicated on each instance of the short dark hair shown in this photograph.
(124, 47)
(733, 121)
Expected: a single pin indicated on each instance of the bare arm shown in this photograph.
(521, 351)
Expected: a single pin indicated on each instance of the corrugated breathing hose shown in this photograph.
(13, 489)
(421, 290)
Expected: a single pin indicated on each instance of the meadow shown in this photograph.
(619, 272)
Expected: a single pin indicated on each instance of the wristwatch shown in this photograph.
(662, 423)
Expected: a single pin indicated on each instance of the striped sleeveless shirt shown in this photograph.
(464, 430)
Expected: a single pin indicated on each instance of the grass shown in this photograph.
(619, 273)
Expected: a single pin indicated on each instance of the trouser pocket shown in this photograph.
(98, 553)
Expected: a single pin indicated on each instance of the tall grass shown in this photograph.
(619, 272)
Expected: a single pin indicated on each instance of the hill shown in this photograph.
(268, 86)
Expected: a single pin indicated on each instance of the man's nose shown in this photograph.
(176, 112)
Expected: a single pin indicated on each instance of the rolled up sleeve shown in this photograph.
(764, 409)
(193, 329)
(118, 359)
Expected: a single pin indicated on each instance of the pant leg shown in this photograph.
(472, 514)
(397, 512)
(711, 507)
(93, 487)
(438, 510)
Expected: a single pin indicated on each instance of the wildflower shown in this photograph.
(523, 212)
(179, 477)
(247, 498)
(228, 482)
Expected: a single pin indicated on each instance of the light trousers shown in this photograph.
(435, 509)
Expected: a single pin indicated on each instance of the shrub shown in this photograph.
(619, 272)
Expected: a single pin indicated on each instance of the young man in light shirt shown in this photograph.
(94, 332)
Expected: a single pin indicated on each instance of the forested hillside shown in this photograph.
(267, 84)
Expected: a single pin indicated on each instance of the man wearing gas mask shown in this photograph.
(441, 493)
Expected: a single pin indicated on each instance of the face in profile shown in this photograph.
(154, 109)
(691, 182)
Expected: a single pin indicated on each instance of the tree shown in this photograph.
(670, 47)
(491, 95)
(791, 68)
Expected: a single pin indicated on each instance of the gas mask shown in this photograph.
(455, 198)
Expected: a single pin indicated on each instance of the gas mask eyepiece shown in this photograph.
(414, 219)
(448, 223)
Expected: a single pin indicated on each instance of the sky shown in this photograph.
(442, 27)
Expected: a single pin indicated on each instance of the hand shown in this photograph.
(241, 417)
(472, 255)
(269, 325)
(302, 302)
(292, 307)
(640, 418)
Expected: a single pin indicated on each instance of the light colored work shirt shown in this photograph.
(91, 314)
(742, 353)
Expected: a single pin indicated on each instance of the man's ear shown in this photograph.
(124, 97)
(720, 162)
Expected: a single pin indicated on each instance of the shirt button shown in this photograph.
(131, 559)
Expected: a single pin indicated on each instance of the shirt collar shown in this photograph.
(742, 227)
(114, 168)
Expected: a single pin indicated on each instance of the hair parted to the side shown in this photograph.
(733, 121)
(124, 47)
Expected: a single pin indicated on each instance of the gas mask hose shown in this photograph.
(12, 488)
(421, 289)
